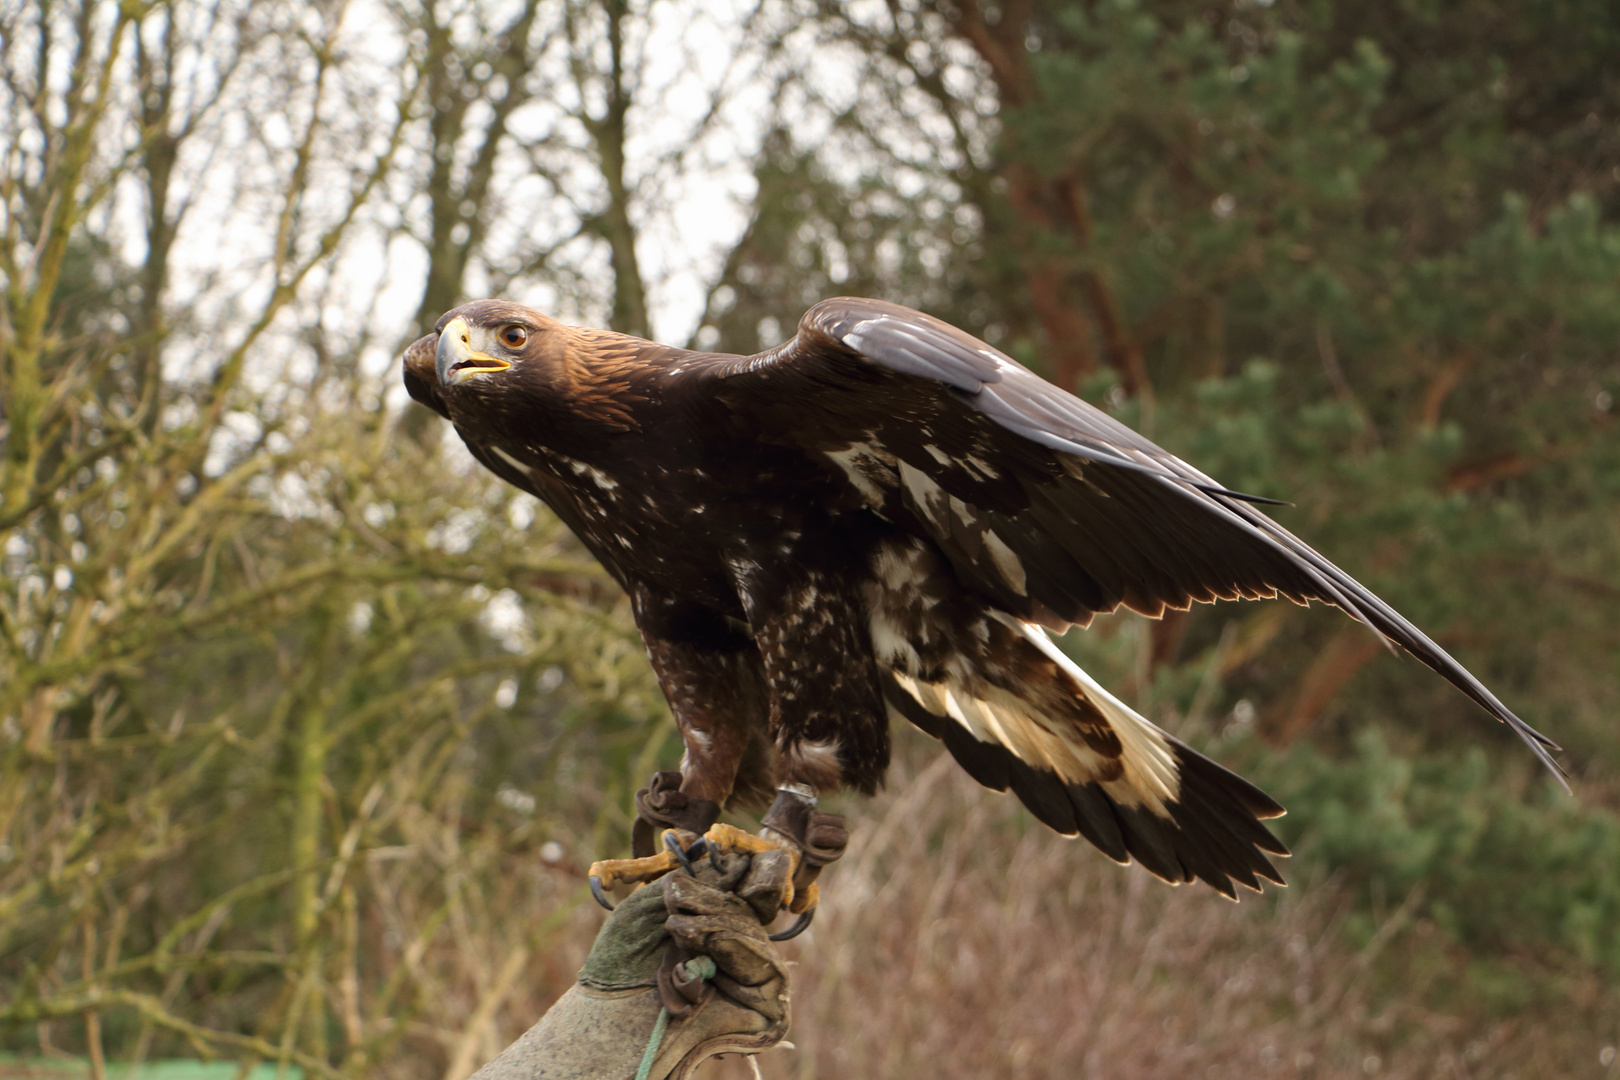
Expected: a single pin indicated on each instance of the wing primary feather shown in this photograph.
(1103, 456)
(1260, 500)
(1389, 624)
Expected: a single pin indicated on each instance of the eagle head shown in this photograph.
(481, 348)
(495, 358)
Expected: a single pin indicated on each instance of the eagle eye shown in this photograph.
(514, 336)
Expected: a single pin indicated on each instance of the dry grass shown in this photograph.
(956, 939)
(959, 940)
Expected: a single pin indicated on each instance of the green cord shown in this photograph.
(652, 1045)
(699, 967)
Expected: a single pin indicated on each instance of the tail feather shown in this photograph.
(1096, 817)
(1209, 829)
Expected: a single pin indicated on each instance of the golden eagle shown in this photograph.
(882, 518)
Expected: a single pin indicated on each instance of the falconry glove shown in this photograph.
(685, 965)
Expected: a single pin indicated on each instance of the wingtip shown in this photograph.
(1260, 500)
(1559, 773)
(1540, 745)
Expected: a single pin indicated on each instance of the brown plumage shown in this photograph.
(876, 519)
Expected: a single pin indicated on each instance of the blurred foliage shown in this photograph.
(308, 727)
(1500, 864)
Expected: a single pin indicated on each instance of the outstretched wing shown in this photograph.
(1048, 507)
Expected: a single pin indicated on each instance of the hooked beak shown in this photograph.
(457, 361)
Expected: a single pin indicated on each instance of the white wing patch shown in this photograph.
(1149, 762)
(1011, 570)
(927, 497)
(1143, 775)
(983, 468)
(867, 468)
(953, 519)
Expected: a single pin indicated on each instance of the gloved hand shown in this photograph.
(647, 960)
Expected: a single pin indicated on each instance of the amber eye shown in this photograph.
(514, 336)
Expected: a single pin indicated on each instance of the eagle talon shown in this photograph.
(800, 925)
(800, 895)
(608, 874)
(672, 842)
(804, 900)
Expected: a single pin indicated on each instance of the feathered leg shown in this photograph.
(710, 674)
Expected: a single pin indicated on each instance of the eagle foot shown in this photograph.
(724, 839)
(801, 895)
(680, 848)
